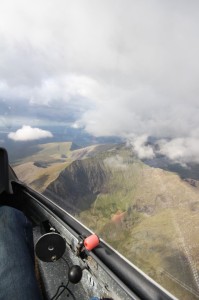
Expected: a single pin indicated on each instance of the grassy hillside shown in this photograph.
(43, 167)
(48, 160)
(151, 217)
(148, 214)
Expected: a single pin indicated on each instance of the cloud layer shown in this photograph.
(27, 133)
(127, 68)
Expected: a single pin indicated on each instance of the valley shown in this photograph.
(148, 214)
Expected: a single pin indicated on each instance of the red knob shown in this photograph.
(91, 242)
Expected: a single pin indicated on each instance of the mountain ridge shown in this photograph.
(148, 214)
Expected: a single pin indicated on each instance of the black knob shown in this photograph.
(75, 274)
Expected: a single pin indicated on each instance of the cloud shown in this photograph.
(180, 150)
(116, 162)
(141, 148)
(134, 74)
(56, 100)
(27, 133)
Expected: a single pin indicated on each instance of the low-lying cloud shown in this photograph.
(141, 147)
(27, 133)
(116, 162)
(181, 150)
(178, 150)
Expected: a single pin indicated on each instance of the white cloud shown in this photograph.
(141, 148)
(181, 150)
(178, 150)
(135, 73)
(27, 133)
(116, 162)
(76, 125)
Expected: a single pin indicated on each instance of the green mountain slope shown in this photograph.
(48, 160)
(147, 214)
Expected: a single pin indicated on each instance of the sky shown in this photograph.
(128, 68)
